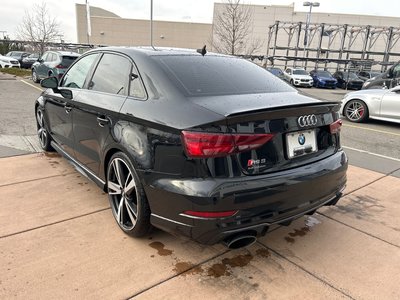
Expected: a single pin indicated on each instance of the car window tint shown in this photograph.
(112, 75)
(68, 60)
(75, 77)
(136, 89)
(198, 75)
(396, 71)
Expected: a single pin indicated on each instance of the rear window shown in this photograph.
(68, 60)
(215, 75)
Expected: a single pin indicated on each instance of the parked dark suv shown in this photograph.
(208, 146)
(52, 63)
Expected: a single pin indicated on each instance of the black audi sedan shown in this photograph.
(204, 145)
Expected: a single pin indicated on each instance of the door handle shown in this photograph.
(67, 108)
(102, 120)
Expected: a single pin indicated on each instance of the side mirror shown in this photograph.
(66, 93)
(50, 83)
(40, 60)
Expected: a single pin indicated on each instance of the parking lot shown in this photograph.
(58, 238)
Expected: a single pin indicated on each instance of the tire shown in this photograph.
(292, 82)
(35, 77)
(42, 131)
(128, 201)
(356, 111)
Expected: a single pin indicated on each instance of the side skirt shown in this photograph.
(79, 167)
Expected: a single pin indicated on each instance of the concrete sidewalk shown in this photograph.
(58, 239)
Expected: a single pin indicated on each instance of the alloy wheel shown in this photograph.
(123, 193)
(42, 131)
(356, 111)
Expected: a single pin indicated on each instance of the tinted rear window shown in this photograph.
(216, 75)
(68, 60)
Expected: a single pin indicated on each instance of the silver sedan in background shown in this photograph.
(380, 104)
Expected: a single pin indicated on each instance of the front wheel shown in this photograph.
(356, 111)
(126, 195)
(42, 132)
(292, 82)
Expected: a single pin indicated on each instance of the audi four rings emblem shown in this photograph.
(309, 120)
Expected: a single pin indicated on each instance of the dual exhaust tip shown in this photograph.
(240, 240)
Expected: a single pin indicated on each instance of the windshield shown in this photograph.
(197, 75)
(324, 74)
(350, 75)
(300, 72)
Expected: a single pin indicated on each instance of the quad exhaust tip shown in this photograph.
(240, 241)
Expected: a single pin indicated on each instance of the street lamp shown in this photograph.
(311, 5)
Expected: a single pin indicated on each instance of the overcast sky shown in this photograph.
(12, 11)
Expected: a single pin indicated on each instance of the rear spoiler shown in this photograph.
(285, 111)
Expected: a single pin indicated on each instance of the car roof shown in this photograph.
(158, 51)
(66, 53)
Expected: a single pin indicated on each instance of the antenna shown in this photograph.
(151, 24)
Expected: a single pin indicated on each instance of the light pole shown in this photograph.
(306, 38)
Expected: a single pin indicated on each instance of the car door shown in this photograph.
(98, 108)
(390, 104)
(60, 110)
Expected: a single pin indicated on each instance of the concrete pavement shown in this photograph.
(58, 239)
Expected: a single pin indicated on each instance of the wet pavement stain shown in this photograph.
(218, 270)
(51, 154)
(186, 268)
(263, 252)
(289, 240)
(300, 232)
(221, 269)
(297, 232)
(160, 247)
(238, 261)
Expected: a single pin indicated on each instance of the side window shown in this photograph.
(396, 71)
(49, 57)
(76, 76)
(44, 56)
(112, 75)
(136, 89)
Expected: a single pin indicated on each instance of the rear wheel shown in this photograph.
(126, 195)
(356, 111)
(35, 77)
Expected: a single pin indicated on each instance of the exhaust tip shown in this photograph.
(240, 241)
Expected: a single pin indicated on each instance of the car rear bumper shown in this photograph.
(261, 201)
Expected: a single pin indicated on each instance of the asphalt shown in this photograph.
(58, 240)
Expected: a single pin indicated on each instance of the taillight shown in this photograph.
(209, 214)
(203, 145)
(335, 126)
(60, 66)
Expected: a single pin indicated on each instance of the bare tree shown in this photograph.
(39, 27)
(232, 28)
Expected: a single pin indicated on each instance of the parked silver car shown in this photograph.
(380, 104)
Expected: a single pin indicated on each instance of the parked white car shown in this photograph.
(8, 62)
(298, 77)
